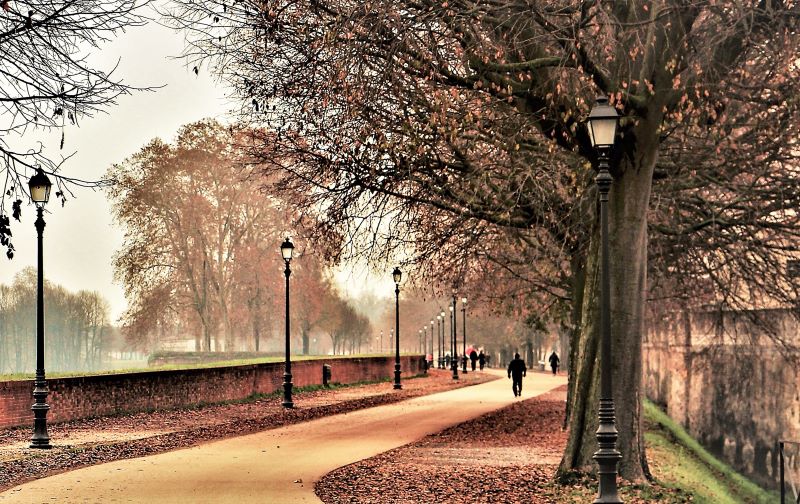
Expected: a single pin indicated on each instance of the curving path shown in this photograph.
(275, 466)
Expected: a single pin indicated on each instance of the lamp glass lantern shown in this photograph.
(464, 301)
(397, 275)
(602, 123)
(287, 248)
(39, 186)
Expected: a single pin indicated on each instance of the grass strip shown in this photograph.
(685, 464)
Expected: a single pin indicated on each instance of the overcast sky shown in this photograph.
(80, 238)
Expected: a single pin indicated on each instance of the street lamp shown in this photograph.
(444, 347)
(453, 343)
(432, 345)
(286, 251)
(397, 275)
(39, 186)
(602, 127)
(464, 331)
(440, 360)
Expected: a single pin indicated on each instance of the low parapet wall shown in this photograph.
(100, 395)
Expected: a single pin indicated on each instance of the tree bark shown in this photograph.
(628, 206)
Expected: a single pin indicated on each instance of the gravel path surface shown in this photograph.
(494, 458)
(95, 441)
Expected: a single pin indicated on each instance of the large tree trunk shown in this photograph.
(629, 200)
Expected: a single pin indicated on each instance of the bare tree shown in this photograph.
(47, 83)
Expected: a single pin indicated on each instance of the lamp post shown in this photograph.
(286, 251)
(432, 345)
(444, 347)
(440, 359)
(453, 343)
(397, 275)
(39, 186)
(602, 127)
(464, 332)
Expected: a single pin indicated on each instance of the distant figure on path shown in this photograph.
(554, 362)
(516, 371)
(473, 357)
(447, 360)
(481, 359)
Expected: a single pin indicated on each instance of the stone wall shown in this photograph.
(727, 384)
(91, 396)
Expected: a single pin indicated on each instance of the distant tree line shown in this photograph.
(77, 327)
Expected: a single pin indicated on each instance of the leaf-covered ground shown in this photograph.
(507, 456)
(94, 441)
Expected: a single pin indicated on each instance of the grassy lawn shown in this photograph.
(169, 367)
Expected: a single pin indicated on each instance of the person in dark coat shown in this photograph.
(473, 357)
(481, 360)
(554, 362)
(447, 360)
(516, 371)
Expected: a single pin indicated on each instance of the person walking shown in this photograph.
(447, 361)
(473, 357)
(516, 371)
(481, 360)
(554, 362)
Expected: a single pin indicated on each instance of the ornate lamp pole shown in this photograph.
(439, 341)
(432, 344)
(286, 251)
(444, 347)
(464, 332)
(602, 126)
(39, 186)
(453, 342)
(397, 275)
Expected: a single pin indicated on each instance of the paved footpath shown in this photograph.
(275, 466)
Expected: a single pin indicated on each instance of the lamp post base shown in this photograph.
(454, 366)
(287, 391)
(397, 384)
(607, 456)
(40, 438)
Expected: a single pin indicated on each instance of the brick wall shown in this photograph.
(91, 396)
